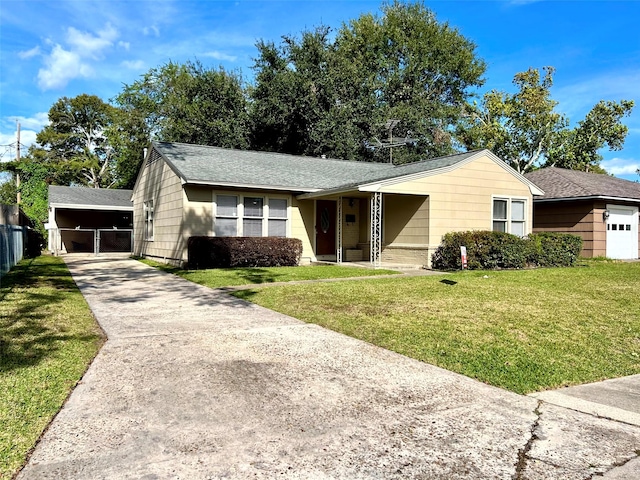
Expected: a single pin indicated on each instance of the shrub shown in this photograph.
(554, 249)
(485, 250)
(494, 250)
(225, 252)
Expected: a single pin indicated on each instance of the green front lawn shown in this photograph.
(227, 277)
(521, 330)
(48, 337)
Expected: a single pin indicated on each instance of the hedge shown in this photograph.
(225, 252)
(496, 250)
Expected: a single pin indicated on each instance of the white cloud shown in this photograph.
(29, 53)
(133, 64)
(27, 138)
(125, 45)
(36, 122)
(621, 166)
(60, 67)
(152, 30)
(86, 44)
(65, 63)
(220, 56)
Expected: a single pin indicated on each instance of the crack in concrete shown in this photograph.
(523, 453)
(615, 465)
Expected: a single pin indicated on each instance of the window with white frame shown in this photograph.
(226, 216)
(509, 215)
(148, 219)
(251, 216)
(277, 223)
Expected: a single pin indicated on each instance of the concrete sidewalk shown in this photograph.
(195, 384)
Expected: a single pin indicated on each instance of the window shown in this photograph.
(226, 216)
(277, 217)
(148, 219)
(509, 215)
(251, 217)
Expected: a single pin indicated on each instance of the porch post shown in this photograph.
(376, 229)
(339, 231)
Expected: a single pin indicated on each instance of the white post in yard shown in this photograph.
(339, 231)
(376, 229)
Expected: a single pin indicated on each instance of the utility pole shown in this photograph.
(18, 197)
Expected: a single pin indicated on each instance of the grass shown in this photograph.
(48, 337)
(227, 277)
(520, 330)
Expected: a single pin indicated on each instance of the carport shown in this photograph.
(90, 220)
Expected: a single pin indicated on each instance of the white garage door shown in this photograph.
(622, 232)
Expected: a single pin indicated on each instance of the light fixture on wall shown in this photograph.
(351, 202)
(605, 215)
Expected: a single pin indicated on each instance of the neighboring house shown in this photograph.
(341, 210)
(603, 210)
(89, 220)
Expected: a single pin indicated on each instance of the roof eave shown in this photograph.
(587, 197)
(280, 188)
(77, 206)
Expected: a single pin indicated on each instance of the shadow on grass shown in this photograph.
(28, 332)
(257, 275)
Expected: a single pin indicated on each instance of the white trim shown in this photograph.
(247, 186)
(72, 206)
(510, 199)
(240, 200)
(374, 187)
(592, 197)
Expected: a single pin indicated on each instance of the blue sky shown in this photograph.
(50, 49)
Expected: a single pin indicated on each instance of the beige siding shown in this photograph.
(406, 219)
(462, 199)
(198, 211)
(303, 226)
(159, 183)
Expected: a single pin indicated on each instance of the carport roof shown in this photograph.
(84, 197)
(564, 184)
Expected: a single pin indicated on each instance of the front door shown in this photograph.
(325, 227)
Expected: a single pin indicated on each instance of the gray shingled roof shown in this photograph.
(560, 183)
(83, 196)
(204, 164)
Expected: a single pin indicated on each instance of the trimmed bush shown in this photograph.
(485, 250)
(226, 252)
(554, 249)
(496, 250)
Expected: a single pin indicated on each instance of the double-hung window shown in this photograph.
(253, 216)
(509, 215)
(226, 216)
(148, 219)
(277, 223)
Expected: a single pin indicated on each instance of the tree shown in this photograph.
(313, 96)
(188, 103)
(35, 177)
(579, 148)
(525, 130)
(74, 142)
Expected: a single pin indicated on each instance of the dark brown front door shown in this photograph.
(325, 227)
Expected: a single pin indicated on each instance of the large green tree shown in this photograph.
(74, 142)
(526, 131)
(316, 96)
(189, 103)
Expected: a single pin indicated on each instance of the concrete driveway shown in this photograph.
(195, 384)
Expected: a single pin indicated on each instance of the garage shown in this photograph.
(90, 220)
(622, 231)
(601, 209)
